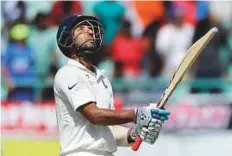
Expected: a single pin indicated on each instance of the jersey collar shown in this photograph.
(76, 63)
(81, 66)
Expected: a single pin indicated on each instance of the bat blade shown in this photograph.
(192, 54)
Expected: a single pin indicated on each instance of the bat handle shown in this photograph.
(136, 144)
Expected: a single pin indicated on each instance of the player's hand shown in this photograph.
(135, 132)
(147, 134)
(144, 115)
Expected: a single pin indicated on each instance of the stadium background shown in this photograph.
(144, 42)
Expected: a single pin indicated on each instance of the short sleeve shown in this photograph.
(79, 93)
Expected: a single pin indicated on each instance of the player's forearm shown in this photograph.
(107, 117)
(112, 117)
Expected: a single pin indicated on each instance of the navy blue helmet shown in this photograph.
(65, 35)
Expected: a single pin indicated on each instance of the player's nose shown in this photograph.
(90, 31)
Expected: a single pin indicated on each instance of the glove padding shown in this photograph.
(134, 132)
(148, 134)
(144, 115)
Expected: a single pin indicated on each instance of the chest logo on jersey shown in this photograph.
(71, 87)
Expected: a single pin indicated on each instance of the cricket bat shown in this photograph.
(192, 53)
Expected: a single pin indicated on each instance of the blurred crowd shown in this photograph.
(143, 41)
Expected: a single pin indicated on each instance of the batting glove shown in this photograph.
(144, 115)
(149, 123)
(147, 135)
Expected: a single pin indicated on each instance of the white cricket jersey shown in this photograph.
(75, 86)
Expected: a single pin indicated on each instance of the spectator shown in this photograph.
(189, 11)
(153, 61)
(149, 11)
(120, 83)
(173, 40)
(62, 9)
(129, 51)
(13, 11)
(19, 65)
(155, 65)
(222, 9)
(118, 72)
(42, 38)
(111, 14)
(34, 7)
(152, 30)
(202, 9)
(133, 18)
(208, 64)
(88, 7)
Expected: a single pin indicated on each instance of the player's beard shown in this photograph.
(85, 42)
(88, 44)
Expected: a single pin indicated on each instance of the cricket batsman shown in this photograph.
(88, 123)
